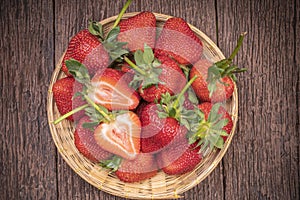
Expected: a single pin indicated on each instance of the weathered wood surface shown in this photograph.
(263, 160)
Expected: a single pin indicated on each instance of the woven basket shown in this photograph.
(162, 186)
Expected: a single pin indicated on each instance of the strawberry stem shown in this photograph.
(70, 113)
(121, 13)
(238, 46)
(106, 116)
(184, 90)
(134, 66)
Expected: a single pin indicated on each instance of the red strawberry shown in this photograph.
(179, 41)
(215, 80)
(206, 108)
(172, 77)
(141, 168)
(120, 136)
(179, 159)
(200, 85)
(86, 144)
(88, 50)
(138, 30)
(110, 89)
(63, 91)
(158, 132)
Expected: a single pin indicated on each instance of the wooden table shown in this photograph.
(263, 160)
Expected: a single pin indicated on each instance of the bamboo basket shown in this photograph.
(162, 186)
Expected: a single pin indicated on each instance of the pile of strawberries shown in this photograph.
(144, 99)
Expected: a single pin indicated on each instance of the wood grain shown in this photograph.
(28, 156)
(263, 160)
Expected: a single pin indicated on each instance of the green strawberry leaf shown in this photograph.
(95, 28)
(148, 55)
(112, 163)
(113, 34)
(78, 70)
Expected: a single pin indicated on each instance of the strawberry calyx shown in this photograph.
(147, 69)
(112, 46)
(224, 68)
(113, 163)
(172, 106)
(209, 132)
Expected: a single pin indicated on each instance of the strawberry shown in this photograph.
(63, 92)
(141, 26)
(224, 88)
(111, 90)
(213, 127)
(179, 159)
(87, 49)
(215, 80)
(179, 41)
(86, 144)
(206, 108)
(172, 77)
(161, 123)
(158, 132)
(155, 76)
(144, 166)
(120, 135)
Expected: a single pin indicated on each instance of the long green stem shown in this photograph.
(70, 113)
(134, 66)
(106, 116)
(238, 46)
(121, 13)
(184, 90)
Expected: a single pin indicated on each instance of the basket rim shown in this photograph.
(178, 190)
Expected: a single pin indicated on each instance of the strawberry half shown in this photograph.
(111, 90)
(144, 166)
(88, 50)
(63, 92)
(141, 26)
(86, 144)
(179, 41)
(121, 135)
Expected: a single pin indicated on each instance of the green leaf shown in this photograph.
(138, 57)
(220, 143)
(95, 28)
(213, 114)
(90, 125)
(113, 163)
(113, 34)
(78, 70)
(148, 55)
(220, 124)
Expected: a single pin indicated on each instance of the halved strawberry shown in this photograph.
(121, 135)
(144, 166)
(179, 41)
(86, 144)
(111, 90)
(138, 30)
(63, 92)
(88, 50)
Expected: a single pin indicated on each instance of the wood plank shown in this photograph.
(70, 18)
(28, 155)
(263, 161)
